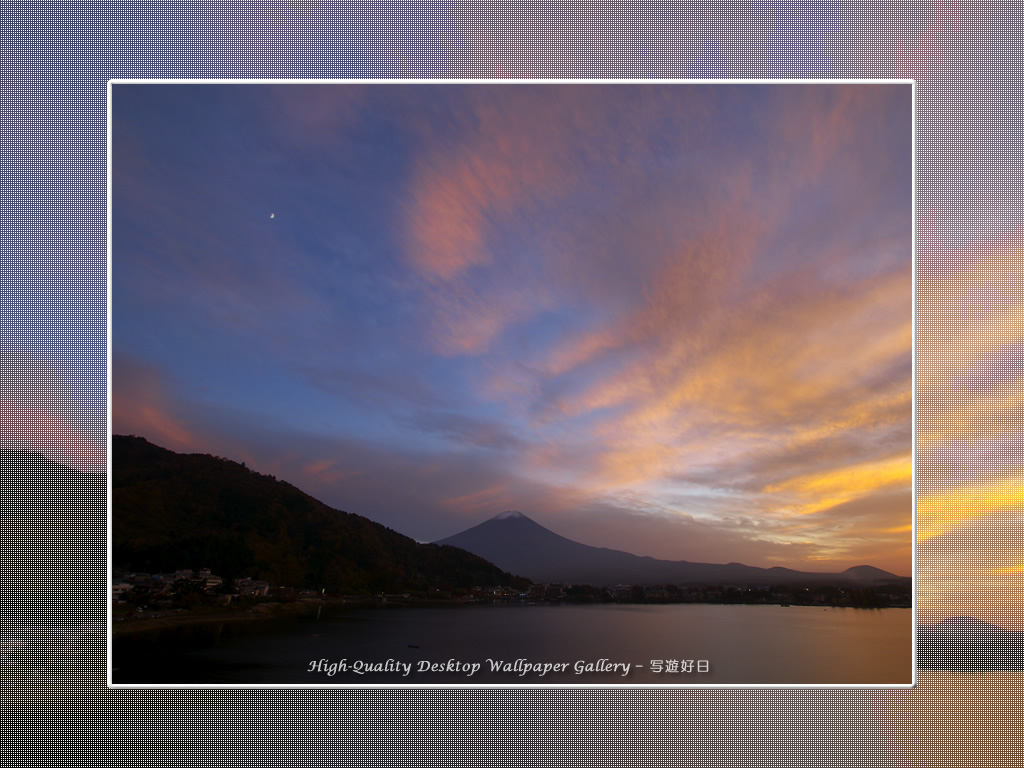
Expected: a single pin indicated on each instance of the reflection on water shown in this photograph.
(948, 719)
(613, 644)
(971, 721)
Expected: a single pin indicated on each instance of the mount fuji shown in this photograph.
(517, 544)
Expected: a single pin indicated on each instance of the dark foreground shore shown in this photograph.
(153, 621)
(150, 621)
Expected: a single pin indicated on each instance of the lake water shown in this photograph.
(533, 644)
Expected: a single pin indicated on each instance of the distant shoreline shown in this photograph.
(279, 610)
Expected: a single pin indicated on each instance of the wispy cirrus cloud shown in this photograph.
(685, 306)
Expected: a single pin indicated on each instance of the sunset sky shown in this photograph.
(673, 319)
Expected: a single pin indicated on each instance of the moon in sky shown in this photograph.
(271, 215)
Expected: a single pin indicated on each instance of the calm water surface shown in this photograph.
(600, 644)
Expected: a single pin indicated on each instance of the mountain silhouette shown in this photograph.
(55, 523)
(967, 644)
(174, 511)
(517, 544)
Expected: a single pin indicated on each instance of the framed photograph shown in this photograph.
(512, 383)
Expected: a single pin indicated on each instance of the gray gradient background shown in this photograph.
(967, 65)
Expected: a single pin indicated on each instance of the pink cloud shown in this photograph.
(45, 410)
(142, 404)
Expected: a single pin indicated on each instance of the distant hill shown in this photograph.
(174, 510)
(517, 544)
(967, 644)
(54, 525)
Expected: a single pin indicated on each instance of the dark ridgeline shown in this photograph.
(517, 544)
(54, 557)
(966, 644)
(174, 511)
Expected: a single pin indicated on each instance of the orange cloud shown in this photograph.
(758, 375)
(965, 504)
(974, 564)
(970, 500)
(634, 462)
(814, 492)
